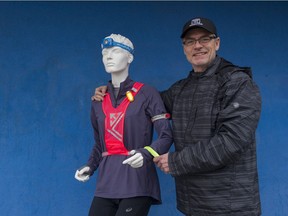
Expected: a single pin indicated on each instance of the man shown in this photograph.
(127, 181)
(215, 113)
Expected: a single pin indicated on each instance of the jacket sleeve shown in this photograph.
(235, 131)
(162, 127)
(96, 153)
(169, 94)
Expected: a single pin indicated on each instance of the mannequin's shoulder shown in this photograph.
(148, 89)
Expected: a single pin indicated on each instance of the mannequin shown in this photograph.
(123, 128)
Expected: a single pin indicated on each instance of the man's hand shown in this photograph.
(83, 174)
(162, 162)
(135, 161)
(99, 93)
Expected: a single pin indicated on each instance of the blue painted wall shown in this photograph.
(50, 62)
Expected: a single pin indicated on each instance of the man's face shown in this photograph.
(115, 59)
(203, 52)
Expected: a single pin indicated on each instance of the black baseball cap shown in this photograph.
(199, 22)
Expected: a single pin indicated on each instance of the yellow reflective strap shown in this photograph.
(151, 151)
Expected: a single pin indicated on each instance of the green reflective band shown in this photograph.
(151, 151)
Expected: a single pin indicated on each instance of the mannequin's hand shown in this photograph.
(99, 93)
(82, 174)
(135, 161)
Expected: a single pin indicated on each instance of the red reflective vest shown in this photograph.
(114, 123)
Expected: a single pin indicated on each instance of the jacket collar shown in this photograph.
(209, 71)
(125, 86)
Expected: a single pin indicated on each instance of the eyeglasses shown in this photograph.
(202, 40)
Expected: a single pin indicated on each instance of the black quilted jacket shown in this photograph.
(215, 116)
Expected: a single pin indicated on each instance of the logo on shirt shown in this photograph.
(129, 209)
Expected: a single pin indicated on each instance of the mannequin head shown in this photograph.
(117, 55)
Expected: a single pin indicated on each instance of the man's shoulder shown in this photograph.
(180, 83)
(228, 71)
